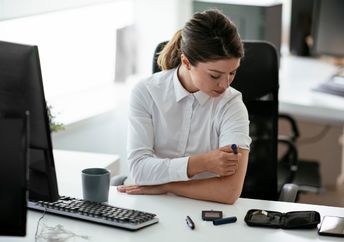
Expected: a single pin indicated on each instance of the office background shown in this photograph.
(79, 44)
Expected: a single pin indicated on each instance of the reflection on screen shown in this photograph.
(333, 225)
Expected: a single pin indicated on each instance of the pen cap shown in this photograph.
(234, 148)
(225, 220)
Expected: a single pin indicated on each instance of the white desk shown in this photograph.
(298, 75)
(171, 211)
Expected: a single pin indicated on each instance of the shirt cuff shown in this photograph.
(178, 169)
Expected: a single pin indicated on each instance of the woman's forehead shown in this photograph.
(223, 65)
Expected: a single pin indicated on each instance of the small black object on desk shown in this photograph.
(190, 223)
(210, 215)
(225, 220)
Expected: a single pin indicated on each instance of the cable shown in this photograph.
(315, 138)
(39, 220)
(56, 233)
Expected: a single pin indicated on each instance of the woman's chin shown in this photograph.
(216, 93)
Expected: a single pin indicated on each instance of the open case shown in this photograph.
(290, 220)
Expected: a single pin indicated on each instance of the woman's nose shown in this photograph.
(225, 82)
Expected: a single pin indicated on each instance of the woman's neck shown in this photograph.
(185, 79)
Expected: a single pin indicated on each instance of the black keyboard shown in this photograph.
(96, 212)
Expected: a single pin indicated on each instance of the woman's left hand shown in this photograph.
(142, 190)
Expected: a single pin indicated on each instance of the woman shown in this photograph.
(183, 120)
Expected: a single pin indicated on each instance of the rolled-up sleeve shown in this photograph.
(234, 127)
(146, 168)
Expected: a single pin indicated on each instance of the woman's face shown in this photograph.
(213, 77)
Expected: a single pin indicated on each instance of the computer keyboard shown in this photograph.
(96, 212)
(335, 85)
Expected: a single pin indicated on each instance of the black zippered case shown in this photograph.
(289, 220)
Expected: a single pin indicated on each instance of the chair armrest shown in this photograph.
(289, 192)
(117, 180)
(292, 123)
(291, 155)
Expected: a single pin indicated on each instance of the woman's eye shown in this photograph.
(215, 77)
(232, 73)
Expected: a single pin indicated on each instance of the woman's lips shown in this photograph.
(220, 91)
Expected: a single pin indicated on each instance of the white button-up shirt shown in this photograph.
(167, 124)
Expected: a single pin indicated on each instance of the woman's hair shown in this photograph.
(207, 36)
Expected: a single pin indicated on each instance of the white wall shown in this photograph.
(77, 53)
(10, 9)
(157, 21)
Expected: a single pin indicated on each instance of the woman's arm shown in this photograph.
(145, 166)
(225, 189)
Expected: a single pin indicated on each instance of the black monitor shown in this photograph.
(328, 34)
(21, 89)
(14, 132)
(328, 38)
(301, 26)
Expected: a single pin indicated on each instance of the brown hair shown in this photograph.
(207, 36)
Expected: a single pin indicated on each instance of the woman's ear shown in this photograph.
(185, 62)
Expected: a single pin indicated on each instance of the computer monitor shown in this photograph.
(14, 132)
(328, 34)
(255, 20)
(328, 38)
(301, 20)
(21, 89)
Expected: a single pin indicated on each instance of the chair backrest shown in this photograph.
(158, 49)
(257, 80)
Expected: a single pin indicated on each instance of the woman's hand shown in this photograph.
(142, 190)
(222, 161)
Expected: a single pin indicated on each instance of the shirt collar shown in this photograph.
(178, 88)
(181, 92)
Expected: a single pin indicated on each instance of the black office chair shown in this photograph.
(304, 173)
(257, 80)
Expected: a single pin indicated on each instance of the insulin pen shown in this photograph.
(234, 148)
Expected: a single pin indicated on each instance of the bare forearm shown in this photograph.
(217, 189)
(225, 189)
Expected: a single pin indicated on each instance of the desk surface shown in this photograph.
(171, 210)
(298, 75)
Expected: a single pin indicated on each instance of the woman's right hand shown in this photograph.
(222, 161)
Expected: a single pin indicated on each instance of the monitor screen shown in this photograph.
(328, 34)
(21, 89)
(13, 173)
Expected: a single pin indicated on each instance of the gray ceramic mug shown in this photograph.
(95, 184)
